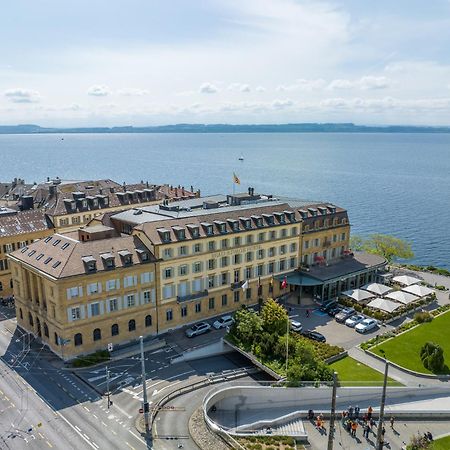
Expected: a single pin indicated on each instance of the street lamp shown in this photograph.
(383, 401)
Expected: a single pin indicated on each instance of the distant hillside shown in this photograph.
(224, 128)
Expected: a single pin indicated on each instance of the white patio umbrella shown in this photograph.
(384, 304)
(402, 297)
(358, 294)
(377, 288)
(406, 280)
(419, 290)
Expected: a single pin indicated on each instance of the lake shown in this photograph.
(390, 183)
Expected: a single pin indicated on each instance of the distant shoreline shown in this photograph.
(224, 128)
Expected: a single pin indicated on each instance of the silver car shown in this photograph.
(198, 328)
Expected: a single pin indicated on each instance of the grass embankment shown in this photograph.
(405, 349)
(353, 373)
(269, 443)
(441, 444)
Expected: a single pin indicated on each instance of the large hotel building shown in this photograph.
(150, 269)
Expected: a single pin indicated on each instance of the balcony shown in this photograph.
(189, 297)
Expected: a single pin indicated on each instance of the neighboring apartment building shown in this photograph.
(203, 257)
(79, 291)
(18, 229)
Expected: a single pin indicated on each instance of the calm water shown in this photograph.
(390, 183)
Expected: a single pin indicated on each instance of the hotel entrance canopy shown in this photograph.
(299, 279)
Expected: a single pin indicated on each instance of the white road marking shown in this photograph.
(137, 437)
(95, 445)
(77, 427)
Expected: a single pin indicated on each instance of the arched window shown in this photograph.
(46, 330)
(11, 285)
(131, 325)
(114, 330)
(78, 339)
(148, 321)
(1, 286)
(21, 313)
(97, 334)
(30, 319)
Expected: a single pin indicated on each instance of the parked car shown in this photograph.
(296, 326)
(198, 328)
(334, 310)
(315, 335)
(327, 306)
(344, 315)
(223, 322)
(366, 325)
(352, 321)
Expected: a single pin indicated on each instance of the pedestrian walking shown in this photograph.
(350, 412)
(366, 430)
(307, 313)
(392, 422)
(370, 412)
(357, 409)
(354, 427)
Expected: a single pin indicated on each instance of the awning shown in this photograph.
(358, 294)
(299, 279)
(406, 280)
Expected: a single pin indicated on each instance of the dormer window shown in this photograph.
(303, 213)
(108, 260)
(127, 257)
(280, 217)
(222, 226)
(194, 230)
(106, 201)
(290, 215)
(90, 263)
(208, 228)
(143, 254)
(95, 202)
(180, 232)
(234, 224)
(258, 221)
(313, 211)
(164, 234)
(84, 203)
(73, 204)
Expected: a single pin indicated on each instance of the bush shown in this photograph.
(432, 357)
(419, 443)
(421, 317)
(94, 358)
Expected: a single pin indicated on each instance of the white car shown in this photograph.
(296, 326)
(199, 328)
(354, 320)
(223, 322)
(366, 325)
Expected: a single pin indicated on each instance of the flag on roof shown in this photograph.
(236, 179)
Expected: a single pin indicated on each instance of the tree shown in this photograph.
(384, 245)
(432, 357)
(247, 325)
(274, 317)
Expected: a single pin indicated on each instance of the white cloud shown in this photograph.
(303, 85)
(208, 88)
(98, 91)
(132, 92)
(370, 82)
(282, 104)
(260, 89)
(20, 95)
(341, 84)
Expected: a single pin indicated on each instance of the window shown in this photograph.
(75, 313)
(167, 253)
(169, 315)
(272, 234)
(131, 325)
(282, 249)
(343, 237)
(270, 267)
(211, 264)
(211, 281)
(147, 296)
(237, 241)
(95, 309)
(224, 243)
(46, 334)
(183, 311)
(282, 264)
(128, 281)
(249, 256)
(197, 285)
(111, 285)
(168, 272)
(168, 291)
(334, 237)
(237, 258)
(130, 301)
(146, 277)
(294, 231)
(211, 245)
(183, 250)
(198, 307)
(293, 247)
(261, 237)
(260, 254)
(249, 239)
(316, 242)
(306, 245)
(283, 232)
(97, 334)
(115, 329)
(292, 263)
(224, 300)
(211, 303)
(20, 312)
(77, 339)
(236, 295)
(183, 270)
(73, 292)
(224, 278)
(271, 252)
(148, 321)
(197, 248)
(248, 273)
(260, 270)
(113, 305)
(224, 261)
(197, 267)
(237, 275)
(92, 288)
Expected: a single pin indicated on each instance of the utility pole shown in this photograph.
(380, 442)
(145, 405)
(107, 386)
(333, 413)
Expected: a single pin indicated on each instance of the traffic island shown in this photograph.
(202, 435)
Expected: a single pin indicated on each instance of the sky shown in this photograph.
(152, 62)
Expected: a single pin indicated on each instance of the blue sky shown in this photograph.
(76, 63)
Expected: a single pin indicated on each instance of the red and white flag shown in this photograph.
(284, 283)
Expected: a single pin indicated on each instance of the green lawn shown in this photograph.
(405, 349)
(351, 372)
(441, 444)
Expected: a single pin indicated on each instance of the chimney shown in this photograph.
(182, 190)
(192, 188)
(124, 187)
(147, 184)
